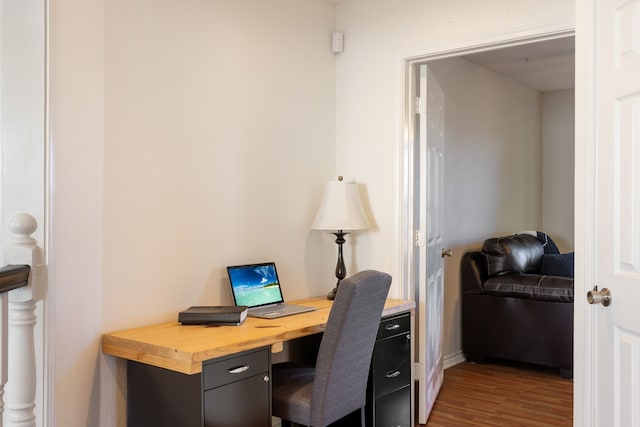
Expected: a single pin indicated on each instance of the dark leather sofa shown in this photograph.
(511, 310)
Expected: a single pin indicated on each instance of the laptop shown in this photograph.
(257, 286)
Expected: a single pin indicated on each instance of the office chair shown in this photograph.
(337, 385)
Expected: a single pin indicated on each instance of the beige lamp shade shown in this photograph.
(341, 208)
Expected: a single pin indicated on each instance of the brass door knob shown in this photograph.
(447, 252)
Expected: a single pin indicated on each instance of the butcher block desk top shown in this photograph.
(183, 348)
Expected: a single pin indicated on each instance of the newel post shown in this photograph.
(21, 388)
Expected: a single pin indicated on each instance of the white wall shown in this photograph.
(219, 127)
(558, 167)
(22, 58)
(187, 135)
(77, 218)
(493, 165)
(378, 35)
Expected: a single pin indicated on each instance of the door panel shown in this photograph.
(617, 91)
(429, 195)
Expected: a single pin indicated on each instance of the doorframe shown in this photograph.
(584, 360)
(404, 157)
(403, 261)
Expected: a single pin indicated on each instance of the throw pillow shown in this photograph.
(558, 264)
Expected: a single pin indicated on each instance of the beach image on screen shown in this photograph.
(255, 285)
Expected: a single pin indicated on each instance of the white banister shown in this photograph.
(11, 277)
(20, 394)
(4, 339)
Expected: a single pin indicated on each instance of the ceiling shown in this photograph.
(546, 66)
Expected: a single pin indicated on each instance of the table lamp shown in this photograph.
(340, 211)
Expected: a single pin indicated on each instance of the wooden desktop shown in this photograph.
(208, 367)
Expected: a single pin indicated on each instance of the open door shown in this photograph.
(612, 350)
(428, 252)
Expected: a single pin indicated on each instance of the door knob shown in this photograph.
(599, 297)
(446, 252)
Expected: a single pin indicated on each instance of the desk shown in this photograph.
(180, 350)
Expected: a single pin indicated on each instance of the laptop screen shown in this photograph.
(254, 285)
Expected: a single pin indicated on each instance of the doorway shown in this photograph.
(499, 181)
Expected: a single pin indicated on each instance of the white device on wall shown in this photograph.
(337, 42)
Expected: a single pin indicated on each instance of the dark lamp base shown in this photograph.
(341, 270)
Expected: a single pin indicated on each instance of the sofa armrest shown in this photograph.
(473, 272)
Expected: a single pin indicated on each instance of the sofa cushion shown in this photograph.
(520, 253)
(558, 264)
(531, 286)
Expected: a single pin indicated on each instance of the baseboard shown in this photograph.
(453, 359)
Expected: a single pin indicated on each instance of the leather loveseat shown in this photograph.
(511, 310)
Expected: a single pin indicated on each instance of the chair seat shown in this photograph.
(291, 391)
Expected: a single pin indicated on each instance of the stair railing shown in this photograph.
(20, 292)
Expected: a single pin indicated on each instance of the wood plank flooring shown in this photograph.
(502, 395)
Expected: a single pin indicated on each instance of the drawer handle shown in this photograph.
(239, 369)
(392, 374)
(392, 327)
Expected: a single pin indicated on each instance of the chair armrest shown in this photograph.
(473, 272)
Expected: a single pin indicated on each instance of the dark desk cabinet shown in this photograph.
(235, 390)
(389, 392)
(232, 391)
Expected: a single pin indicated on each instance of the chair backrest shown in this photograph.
(516, 254)
(344, 356)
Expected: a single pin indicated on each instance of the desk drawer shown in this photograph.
(391, 326)
(392, 364)
(394, 410)
(243, 403)
(224, 371)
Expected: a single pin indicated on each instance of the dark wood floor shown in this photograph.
(502, 395)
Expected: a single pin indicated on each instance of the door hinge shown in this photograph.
(420, 238)
(421, 106)
(418, 372)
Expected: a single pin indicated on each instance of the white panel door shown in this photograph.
(430, 286)
(617, 251)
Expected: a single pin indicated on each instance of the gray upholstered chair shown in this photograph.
(337, 385)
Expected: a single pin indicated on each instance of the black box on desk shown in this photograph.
(213, 315)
